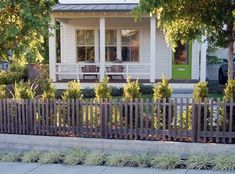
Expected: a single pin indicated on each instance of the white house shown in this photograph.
(100, 38)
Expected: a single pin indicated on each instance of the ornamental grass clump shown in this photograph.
(11, 157)
(73, 92)
(102, 90)
(96, 158)
(75, 157)
(31, 157)
(166, 161)
(141, 160)
(199, 161)
(49, 91)
(51, 158)
(119, 160)
(224, 162)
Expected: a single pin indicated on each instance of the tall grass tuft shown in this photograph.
(96, 158)
(166, 161)
(75, 157)
(31, 157)
(11, 157)
(224, 162)
(51, 158)
(199, 161)
(119, 160)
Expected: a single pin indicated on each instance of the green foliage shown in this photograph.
(132, 90)
(117, 91)
(141, 160)
(31, 157)
(213, 60)
(73, 92)
(166, 161)
(2, 91)
(7, 78)
(75, 157)
(24, 90)
(48, 90)
(102, 90)
(229, 91)
(199, 161)
(146, 89)
(224, 162)
(88, 93)
(51, 158)
(162, 90)
(119, 160)
(11, 157)
(95, 159)
(200, 91)
(24, 25)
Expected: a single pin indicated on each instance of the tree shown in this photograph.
(24, 27)
(188, 20)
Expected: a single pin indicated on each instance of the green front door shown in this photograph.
(182, 61)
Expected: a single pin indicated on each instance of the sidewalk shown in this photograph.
(21, 168)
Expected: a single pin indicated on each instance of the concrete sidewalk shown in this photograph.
(21, 168)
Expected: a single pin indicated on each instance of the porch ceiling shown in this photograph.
(119, 7)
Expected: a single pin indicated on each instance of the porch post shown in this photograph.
(152, 49)
(204, 47)
(52, 50)
(102, 47)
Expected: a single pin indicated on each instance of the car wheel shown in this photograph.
(221, 77)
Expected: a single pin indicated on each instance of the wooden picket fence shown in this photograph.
(179, 119)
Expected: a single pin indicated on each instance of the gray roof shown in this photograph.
(94, 7)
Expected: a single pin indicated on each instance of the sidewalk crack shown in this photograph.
(103, 170)
(33, 169)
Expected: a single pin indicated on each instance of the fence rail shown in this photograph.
(173, 120)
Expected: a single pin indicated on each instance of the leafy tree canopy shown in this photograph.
(23, 27)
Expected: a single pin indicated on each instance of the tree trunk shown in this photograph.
(230, 50)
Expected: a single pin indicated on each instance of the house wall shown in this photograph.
(163, 51)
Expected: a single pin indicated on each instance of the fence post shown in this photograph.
(194, 121)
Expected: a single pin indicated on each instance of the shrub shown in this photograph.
(2, 91)
(132, 90)
(75, 157)
(119, 160)
(88, 93)
(11, 157)
(102, 90)
(24, 90)
(200, 92)
(146, 89)
(141, 160)
(224, 162)
(51, 158)
(73, 92)
(49, 90)
(95, 159)
(166, 161)
(7, 78)
(117, 91)
(229, 91)
(162, 90)
(199, 161)
(31, 157)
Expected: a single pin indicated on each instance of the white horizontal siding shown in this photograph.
(195, 60)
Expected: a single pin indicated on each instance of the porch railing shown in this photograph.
(173, 120)
(75, 70)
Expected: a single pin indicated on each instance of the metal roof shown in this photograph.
(125, 7)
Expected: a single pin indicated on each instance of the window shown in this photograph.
(111, 45)
(130, 45)
(181, 54)
(85, 45)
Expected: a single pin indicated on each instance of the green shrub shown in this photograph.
(49, 90)
(162, 90)
(141, 160)
(73, 92)
(88, 93)
(75, 157)
(2, 91)
(95, 159)
(132, 90)
(11, 157)
(31, 157)
(119, 160)
(229, 91)
(224, 162)
(166, 161)
(7, 78)
(199, 161)
(24, 90)
(146, 89)
(117, 91)
(102, 90)
(200, 92)
(51, 158)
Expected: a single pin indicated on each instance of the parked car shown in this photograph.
(223, 71)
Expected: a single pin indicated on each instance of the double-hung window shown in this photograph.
(111, 45)
(130, 45)
(85, 45)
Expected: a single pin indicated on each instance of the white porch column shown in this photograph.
(52, 50)
(102, 48)
(152, 49)
(204, 47)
